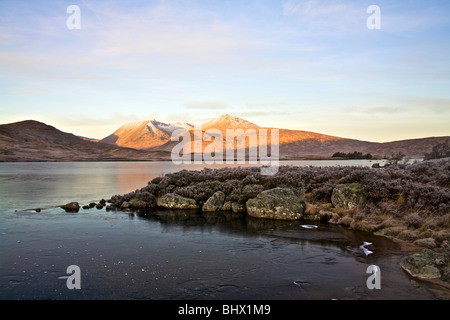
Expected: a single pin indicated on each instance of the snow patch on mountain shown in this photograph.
(168, 128)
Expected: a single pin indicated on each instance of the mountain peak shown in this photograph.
(30, 125)
(228, 121)
(144, 134)
(168, 128)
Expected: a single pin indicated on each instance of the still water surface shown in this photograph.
(169, 255)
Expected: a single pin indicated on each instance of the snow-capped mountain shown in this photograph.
(228, 122)
(35, 141)
(156, 136)
(153, 134)
(144, 134)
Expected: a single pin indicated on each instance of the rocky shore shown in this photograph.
(403, 202)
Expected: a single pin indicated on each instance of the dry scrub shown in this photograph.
(407, 202)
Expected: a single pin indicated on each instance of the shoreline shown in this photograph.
(408, 204)
(372, 208)
(300, 158)
(438, 287)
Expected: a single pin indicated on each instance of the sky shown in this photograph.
(310, 65)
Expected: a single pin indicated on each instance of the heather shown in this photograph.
(405, 201)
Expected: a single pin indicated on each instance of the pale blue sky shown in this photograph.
(309, 65)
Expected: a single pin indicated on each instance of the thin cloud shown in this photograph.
(207, 105)
(313, 8)
(327, 17)
(266, 105)
(260, 114)
(163, 37)
(399, 105)
(164, 29)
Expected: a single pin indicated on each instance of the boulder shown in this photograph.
(215, 202)
(71, 207)
(347, 196)
(277, 204)
(226, 206)
(426, 264)
(125, 205)
(174, 201)
(138, 203)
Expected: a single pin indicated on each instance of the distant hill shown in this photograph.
(151, 140)
(35, 141)
(294, 144)
(140, 136)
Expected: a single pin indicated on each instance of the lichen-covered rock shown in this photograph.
(215, 202)
(226, 206)
(426, 264)
(347, 196)
(174, 201)
(277, 204)
(138, 203)
(125, 205)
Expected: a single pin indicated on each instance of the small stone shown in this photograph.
(174, 201)
(125, 205)
(71, 207)
(138, 204)
(215, 202)
(226, 206)
(237, 207)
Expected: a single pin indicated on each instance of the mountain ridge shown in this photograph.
(31, 140)
(129, 136)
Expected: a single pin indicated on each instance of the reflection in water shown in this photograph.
(171, 254)
(189, 255)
